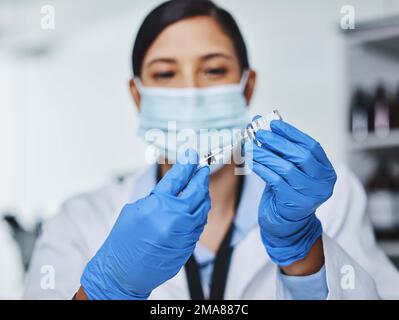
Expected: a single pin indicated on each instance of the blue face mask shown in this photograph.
(170, 115)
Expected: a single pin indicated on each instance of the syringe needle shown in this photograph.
(213, 155)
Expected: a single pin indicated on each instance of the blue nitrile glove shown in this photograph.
(152, 238)
(299, 178)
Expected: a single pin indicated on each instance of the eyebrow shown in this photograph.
(164, 60)
(206, 57)
(216, 55)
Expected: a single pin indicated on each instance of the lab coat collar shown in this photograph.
(144, 183)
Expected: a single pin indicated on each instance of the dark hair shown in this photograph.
(176, 10)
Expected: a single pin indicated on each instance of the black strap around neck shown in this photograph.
(219, 275)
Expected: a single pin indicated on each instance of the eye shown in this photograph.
(216, 71)
(163, 75)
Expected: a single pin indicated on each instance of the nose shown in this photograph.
(189, 78)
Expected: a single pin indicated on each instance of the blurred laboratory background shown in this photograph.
(68, 124)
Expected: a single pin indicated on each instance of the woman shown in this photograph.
(175, 232)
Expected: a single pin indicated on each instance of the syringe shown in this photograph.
(261, 123)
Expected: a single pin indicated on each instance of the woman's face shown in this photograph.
(193, 52)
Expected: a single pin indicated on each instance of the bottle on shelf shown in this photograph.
(381, 112)
(360, 123)
(383, 191)
(395, 111)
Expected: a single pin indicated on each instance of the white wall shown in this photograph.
(67, 122)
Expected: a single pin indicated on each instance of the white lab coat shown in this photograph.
(356, 267)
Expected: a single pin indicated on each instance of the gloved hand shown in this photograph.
(152, 238)
(299, 178)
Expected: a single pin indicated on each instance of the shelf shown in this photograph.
(387, 235)
(391, 248)
(389, 243)
(378, 32)
(375, 143)
(388, 47)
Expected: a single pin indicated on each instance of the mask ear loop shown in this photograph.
(138, 83)
(244, 80)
